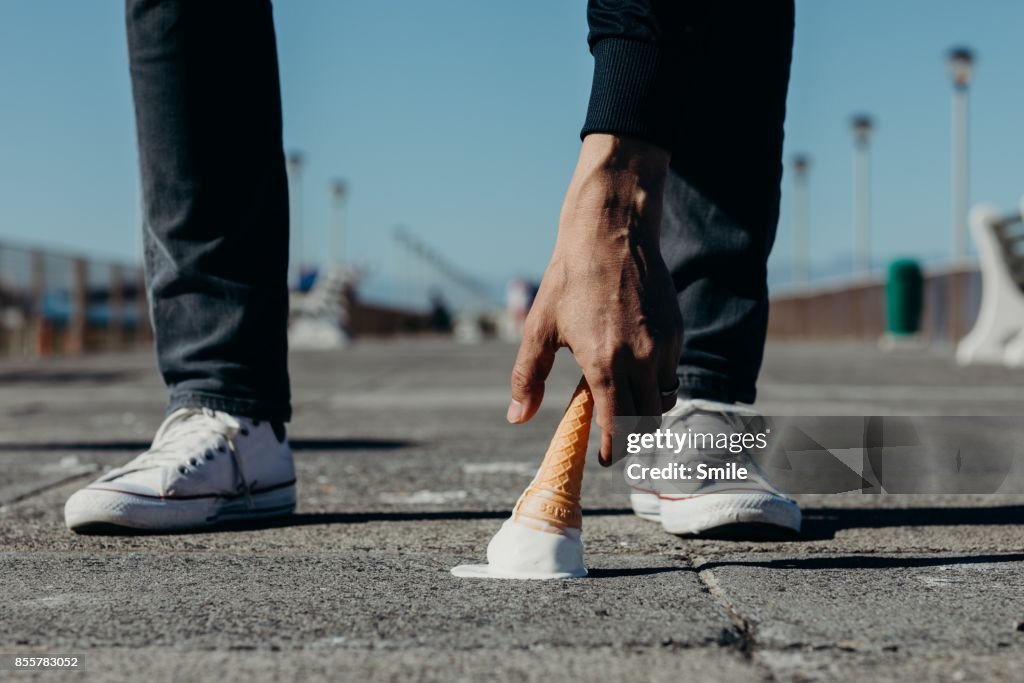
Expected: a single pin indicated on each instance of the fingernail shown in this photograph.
(516, 410)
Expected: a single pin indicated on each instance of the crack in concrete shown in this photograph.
(743, 638)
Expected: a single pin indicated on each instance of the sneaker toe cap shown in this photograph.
(85, 507)
(95, 505)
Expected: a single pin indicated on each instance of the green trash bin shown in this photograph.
(904, 297)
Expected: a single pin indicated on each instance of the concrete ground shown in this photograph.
(407, 467)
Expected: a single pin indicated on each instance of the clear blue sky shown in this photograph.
(460, 119)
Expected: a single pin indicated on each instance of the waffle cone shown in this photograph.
(552, 501)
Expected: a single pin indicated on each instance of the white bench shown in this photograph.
(998, 334)
(320, 317)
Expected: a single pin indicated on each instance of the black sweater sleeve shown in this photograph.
(635, 44)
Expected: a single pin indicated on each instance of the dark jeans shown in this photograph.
(722, 199)
(208, 111)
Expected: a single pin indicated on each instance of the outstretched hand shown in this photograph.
(606, 294)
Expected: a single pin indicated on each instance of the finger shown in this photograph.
(533, 365)
(646, 392)
(668, 363)
(612, 396)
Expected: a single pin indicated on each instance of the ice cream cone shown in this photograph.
(552, 501)
(541, 540)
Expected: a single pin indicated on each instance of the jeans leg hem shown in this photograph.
(712, 388)
(254, 409)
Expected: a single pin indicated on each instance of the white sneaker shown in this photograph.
(204, 467)
(714, 506)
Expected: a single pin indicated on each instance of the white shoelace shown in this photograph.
(190, 431)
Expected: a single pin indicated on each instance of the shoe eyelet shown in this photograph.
(193, 462)
(255, 423)
(209, 455)
(221, 449)
(181, 469)
(244, 432)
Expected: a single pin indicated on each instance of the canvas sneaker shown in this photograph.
(205, 466)
(719, 505)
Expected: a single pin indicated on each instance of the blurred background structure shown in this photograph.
(857, 309)
(59, 303)
(469, 144)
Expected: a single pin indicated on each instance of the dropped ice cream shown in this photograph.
(541, 540)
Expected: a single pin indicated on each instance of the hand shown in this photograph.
(606, 294)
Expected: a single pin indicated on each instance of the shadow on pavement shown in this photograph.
(314, 518)
(634, 571)
(819, 523)
(317, 518)
(62, 376)
(867, 562)
(823, 523)
(351, 444)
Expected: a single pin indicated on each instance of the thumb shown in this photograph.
(533, 365)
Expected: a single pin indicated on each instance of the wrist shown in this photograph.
(625, 154)
(616, 191)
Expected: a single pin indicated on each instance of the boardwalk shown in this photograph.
(406, 468)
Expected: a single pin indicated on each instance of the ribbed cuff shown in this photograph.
(627, 96)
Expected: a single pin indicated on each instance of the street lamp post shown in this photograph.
(961, 67)
(801, 220)
(296, 162)
(862, 126)
(336, 231)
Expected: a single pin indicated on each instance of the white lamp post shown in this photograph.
(801, 220)
(862, 126)
(336, 231)
(296, 161)
(961, 67)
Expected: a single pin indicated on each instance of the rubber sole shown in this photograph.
(95, 510)
(646, 506)
(715, 513)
